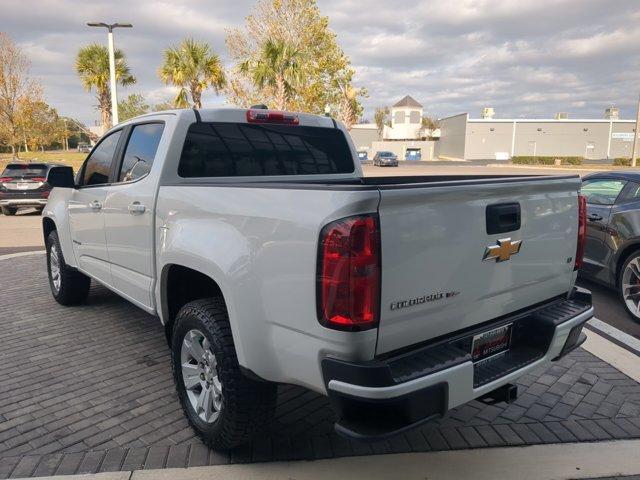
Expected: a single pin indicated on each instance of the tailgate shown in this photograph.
(434, 238)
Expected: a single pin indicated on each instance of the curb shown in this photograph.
(614, 335)
(22, 254)
(538, 462)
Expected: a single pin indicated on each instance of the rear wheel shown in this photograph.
(68, 286)
(9, 210)
(629, 285)
(224, 407)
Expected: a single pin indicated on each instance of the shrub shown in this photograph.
(530, 160)
(623, 162)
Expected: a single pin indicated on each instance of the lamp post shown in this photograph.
(112, 65)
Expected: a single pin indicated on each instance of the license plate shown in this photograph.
(22, 186)
(491, 343)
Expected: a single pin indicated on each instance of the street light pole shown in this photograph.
(112, 80)
(112, 65)
(636, 132)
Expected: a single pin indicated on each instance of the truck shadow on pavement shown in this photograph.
(95, 393)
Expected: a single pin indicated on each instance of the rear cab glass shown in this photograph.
(24, 170)
(219, 149)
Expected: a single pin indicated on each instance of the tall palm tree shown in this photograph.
(92, 65)
(278, 67)
(193, 67)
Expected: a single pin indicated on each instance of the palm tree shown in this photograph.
(193, 67)
(92, 64)
(279, 67)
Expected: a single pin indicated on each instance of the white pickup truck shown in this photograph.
(270, 259)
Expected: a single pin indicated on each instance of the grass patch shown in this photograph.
(71, 158)
(530, 160)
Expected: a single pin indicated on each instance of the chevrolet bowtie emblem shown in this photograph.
(503, 250)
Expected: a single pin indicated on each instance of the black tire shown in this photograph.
(634, 315)
(74, 286)
(9, 211)
(248, 405)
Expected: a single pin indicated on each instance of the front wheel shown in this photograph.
(224, 407)
(68, 286)
(629, 285)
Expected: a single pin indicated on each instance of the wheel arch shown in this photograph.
(48, 226)
(180, 285)
(622, 257)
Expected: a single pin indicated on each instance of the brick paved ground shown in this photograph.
(89, 389)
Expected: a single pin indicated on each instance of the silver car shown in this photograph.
(385, 159)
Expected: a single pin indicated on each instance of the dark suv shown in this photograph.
(24, 185)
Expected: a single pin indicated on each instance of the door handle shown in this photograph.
(95, 205)
(136, 208)
(594, 217)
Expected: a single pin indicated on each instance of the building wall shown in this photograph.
(491, 139)
(488, 140)
(363, 136)
(399, 147)
(622, 147)
(453, 132)
(405, 123)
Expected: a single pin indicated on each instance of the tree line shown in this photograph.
(27, 122)
(285, 56)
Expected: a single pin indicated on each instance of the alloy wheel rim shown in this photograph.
(631, 286)
(200, 376)
(54, 267)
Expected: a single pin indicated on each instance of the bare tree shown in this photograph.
(16, 88)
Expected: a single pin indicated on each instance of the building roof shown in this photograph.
(408, 101)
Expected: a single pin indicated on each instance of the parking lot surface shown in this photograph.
(89, 389)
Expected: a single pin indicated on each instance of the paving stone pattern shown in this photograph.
(89, 389)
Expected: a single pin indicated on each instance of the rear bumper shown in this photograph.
(23, 202)
(384, 397)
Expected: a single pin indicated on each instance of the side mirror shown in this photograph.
(61, 177)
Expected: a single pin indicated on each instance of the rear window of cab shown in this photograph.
(218, 149)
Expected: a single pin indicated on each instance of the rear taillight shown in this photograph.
(268, 116)
(582, 231)
(39, 179)
(45, 194)
(5, 179)
(348, 281)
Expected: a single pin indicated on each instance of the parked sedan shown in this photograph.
(612, 246)
(385, 159)
(24, 185)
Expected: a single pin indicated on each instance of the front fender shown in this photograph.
(56, 211)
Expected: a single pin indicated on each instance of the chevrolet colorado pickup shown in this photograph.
(269, 258)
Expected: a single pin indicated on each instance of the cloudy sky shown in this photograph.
(525, 58)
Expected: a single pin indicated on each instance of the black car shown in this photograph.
(612, 245)
(24, 185)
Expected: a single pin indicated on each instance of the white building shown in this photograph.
(406, 121)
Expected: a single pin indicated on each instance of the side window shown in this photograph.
(98, 165)
(140, 152)
(631, 193)
(602, 191)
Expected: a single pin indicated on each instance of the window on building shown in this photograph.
(414, 117)
(398, 117)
